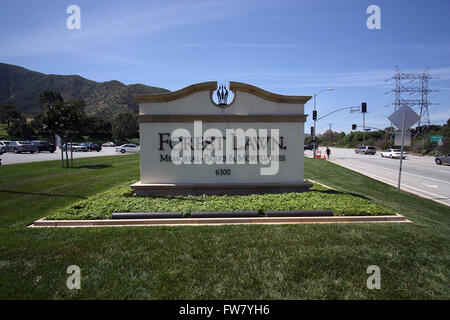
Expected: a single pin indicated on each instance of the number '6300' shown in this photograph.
(223, 172)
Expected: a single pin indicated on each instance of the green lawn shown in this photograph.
(322, 261)
(3, 132)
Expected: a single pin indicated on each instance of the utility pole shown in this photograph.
(422, 101)
(315, 118)
(363, 111)
(364, 128)
(401, 150)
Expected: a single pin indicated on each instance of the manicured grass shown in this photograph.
(3, 131)
(325, 261)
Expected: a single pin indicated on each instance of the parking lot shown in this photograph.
(420, 174)
(11, 158)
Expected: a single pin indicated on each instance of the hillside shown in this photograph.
(21, 88)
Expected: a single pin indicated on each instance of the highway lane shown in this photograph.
(11, 158)
(420, 175)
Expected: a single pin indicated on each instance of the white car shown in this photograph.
(3, 145)
(76, 147)
(131, 148)
(108, 144)
(393, 153)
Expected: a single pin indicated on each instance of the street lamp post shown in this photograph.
(315, 120)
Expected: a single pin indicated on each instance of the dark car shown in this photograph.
(44, 146)
(92, 146)
(366, 150)
(309, 147)
(21, 146)
(443, 159)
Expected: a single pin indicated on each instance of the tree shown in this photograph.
(20, 129)
(97, 128)
(9, 113)
(445, 148)
(125, 126)
(63, 119)
(75, 118)
(329, 137)
(49, 98)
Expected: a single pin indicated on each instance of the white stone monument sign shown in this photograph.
(193, 145)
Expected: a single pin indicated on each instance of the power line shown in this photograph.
(418, 89)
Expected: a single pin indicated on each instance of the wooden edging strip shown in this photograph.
(215, 221)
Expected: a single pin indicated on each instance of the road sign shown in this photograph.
(403, 118)
(406, 141)
(410, 117)
(436, 138)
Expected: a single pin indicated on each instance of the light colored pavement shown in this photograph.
(420, 175)
(11, 158)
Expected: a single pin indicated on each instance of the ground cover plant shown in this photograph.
(120, 199)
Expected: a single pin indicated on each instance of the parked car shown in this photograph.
(3, 145)
(21, 146)
(131, 148)
(44, 146)
(393, 153)
(76, 147)
(309, 147)
(443, 159)
(366, 150)
(92, 146)
(108, 144)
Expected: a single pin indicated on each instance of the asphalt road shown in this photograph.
(11, 158)
(420, 175)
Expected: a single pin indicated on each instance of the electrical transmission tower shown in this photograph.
(330, 127)
(419, 88)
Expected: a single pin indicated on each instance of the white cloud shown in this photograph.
(103, 27)
(370, 78)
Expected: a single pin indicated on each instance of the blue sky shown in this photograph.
(287, 47)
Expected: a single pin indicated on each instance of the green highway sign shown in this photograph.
(436, 138)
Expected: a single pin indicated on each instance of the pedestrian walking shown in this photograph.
(328, 151)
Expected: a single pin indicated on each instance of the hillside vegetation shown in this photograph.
(21, 88)
(420, 141)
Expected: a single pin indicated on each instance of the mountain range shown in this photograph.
(21, 87)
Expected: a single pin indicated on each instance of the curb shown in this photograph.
(214, 221)
(386, 181)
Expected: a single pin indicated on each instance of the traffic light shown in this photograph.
(312, 131)
(354, 126)
(314, 115)
(364, 107)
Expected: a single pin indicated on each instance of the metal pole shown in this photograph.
(364, 128)
(62, 154)
(401, 150)
(390, 136)
(71, 153)
(314, 137)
